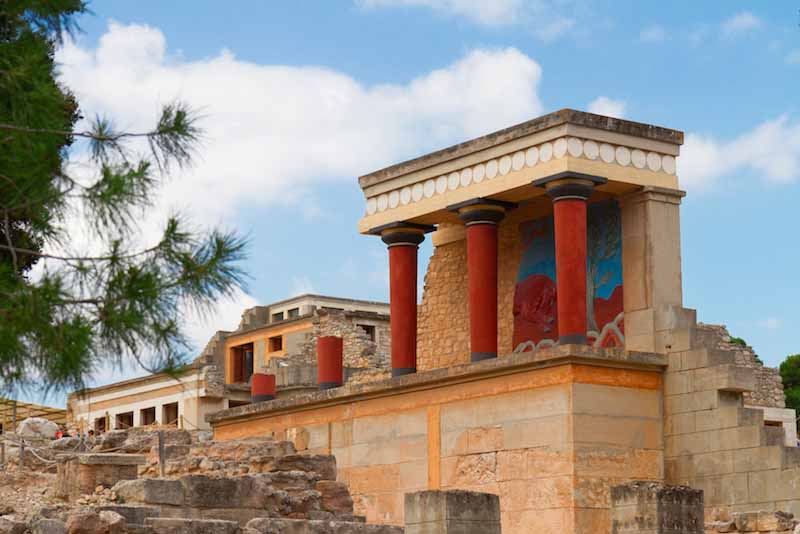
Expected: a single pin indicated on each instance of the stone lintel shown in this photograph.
(557, 118)
(428, 380)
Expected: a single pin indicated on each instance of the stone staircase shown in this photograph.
(713, 441)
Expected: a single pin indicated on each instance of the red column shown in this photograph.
(482, 276)
(569, 218)
(570, 192)
(403, 240)
(403, 307)
(262, 387)
(481, 217)
(330, 372)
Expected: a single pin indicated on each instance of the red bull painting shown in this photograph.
(535, 298)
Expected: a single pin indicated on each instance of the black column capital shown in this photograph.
(402, 233)
(569, 185)
(481, 210)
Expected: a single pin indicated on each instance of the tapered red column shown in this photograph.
(570, 192)
(262, 387)
(481, 217)
(330, 370)
(403, 240)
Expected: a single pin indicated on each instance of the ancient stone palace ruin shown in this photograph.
(551, 360)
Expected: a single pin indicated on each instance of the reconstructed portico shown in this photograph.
(553, 166)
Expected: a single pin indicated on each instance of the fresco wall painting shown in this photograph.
(535, 302)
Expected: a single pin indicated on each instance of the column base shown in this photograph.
(402, 371)
(262, 398)
(329, 385)
(573, 339)
(480, 356)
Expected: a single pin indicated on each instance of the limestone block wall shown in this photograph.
(549, 440)
(713, 441)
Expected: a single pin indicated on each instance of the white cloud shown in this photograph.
(542, 16)
(602, 105)
(741, 23)
(274, 131)
(653, 34)
(771, 150)
(770, 323)
(793, 58)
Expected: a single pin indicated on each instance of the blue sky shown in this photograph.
(302, 97)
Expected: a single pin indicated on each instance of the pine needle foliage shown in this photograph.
(63, 315)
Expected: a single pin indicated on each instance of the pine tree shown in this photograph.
(64, 313)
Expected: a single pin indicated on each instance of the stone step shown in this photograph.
(751, 416)
(295, 526)
(773, 435)
(134, 515)
(791, 457)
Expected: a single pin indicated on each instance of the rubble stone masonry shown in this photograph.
(359, 350)
(443, 324)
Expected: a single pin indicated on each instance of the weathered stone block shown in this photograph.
(323, 465)
(151, 491)
(48, 526)
(650, 507)
(450, 512)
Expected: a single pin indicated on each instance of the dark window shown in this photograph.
(277, 317)
(124, 420)
(169, 414)
(369, 329)
(100, 425)
(147, 416)
(242, 363)
(294, 312)
(234, 404)
(276, 343)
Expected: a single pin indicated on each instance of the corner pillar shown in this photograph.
(570, 193)
(655, 320)
(481, 217)
(403, 240)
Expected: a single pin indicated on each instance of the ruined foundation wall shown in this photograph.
(769, 387)
(549, 441)
(359, 351)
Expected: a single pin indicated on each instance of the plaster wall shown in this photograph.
(550, 441)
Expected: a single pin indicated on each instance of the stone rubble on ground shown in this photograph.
(760, 521)
(250, 486)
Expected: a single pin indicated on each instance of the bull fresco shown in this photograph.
(535, 299)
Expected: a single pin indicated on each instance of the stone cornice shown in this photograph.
(551, 120)
(504, 365)
(386, 197)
